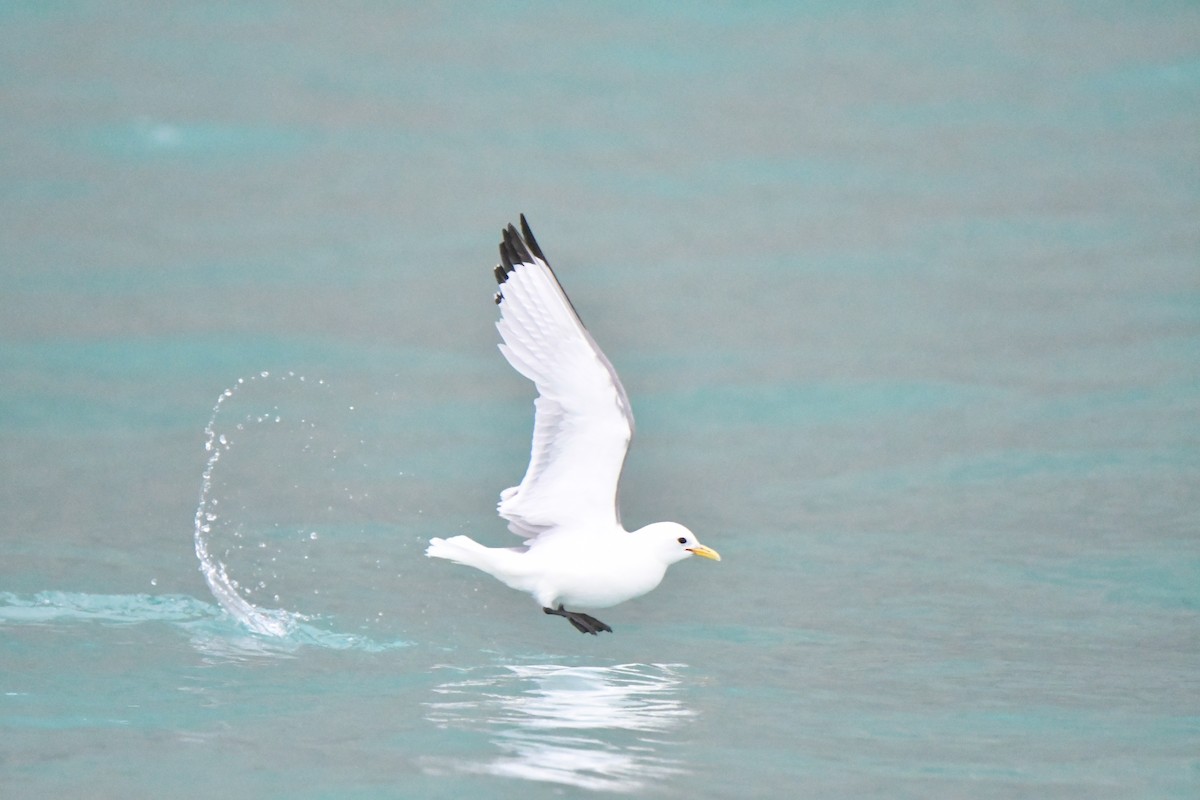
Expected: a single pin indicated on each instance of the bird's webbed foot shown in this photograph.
(584, 623)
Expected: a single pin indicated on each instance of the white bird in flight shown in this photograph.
(576, 551)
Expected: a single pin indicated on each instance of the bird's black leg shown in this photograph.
(584, 623)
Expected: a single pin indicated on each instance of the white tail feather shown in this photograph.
(460, 550)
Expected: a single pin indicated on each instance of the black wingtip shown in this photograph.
(509, 257)
(516, 248)
(522, 248)
(506, 263)
(529, 240)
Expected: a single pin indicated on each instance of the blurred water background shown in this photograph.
(906, 297)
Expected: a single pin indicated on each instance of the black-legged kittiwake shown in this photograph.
(576, 552)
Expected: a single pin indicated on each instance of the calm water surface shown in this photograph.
(906, 297)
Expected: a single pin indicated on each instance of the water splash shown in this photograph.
(270, 622)
(296, 521)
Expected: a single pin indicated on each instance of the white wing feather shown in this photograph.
(582, 421)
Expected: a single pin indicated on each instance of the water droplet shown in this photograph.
(313, 536)
(264, 374)
(154, 581)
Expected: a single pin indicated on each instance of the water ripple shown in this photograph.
(212, 630)
(597, 728)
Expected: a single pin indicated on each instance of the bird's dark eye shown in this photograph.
(682, 540)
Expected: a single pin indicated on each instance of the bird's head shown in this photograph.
(673, 542)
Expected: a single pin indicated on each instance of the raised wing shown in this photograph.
(582, 420)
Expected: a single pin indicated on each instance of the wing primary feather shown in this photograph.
(518, 253)
(537, 251)
(505, 266)
(532, 242)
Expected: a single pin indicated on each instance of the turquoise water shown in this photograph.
(906, 298)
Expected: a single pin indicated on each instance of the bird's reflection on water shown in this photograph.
(600, 728)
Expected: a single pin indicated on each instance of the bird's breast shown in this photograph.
(600, 576)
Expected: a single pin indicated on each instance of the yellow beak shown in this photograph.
(705, 552)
